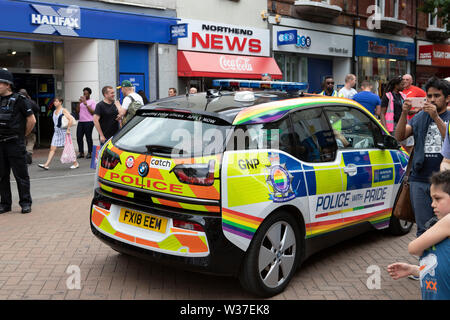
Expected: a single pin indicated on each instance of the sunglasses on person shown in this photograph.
(265, 75)
(330, 82)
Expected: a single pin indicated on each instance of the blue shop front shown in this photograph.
(381, 59)
(58, 49)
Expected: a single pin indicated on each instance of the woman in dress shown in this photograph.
(59, 136)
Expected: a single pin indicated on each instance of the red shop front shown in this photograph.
(433, 60)
(207, 66)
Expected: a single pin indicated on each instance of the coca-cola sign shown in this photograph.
(235, 64)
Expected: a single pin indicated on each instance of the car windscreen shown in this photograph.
(175, 134)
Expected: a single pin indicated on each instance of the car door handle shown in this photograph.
(351, 169)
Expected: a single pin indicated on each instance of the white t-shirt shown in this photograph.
(345, 93)
(127, 100)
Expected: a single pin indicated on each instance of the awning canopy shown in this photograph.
(212, 65)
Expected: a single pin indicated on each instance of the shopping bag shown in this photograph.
(68, 155)
(94, 159)
(403, 209)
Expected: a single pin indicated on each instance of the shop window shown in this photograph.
(381, 6)
(432, 19)
(293, 67)
(379, 71)
(27, 54)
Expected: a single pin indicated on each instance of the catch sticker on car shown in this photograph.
(143, 220)
(160, 164)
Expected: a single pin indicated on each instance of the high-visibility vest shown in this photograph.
(334, 94)
(389, 116)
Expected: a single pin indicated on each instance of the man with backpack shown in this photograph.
(131, 102)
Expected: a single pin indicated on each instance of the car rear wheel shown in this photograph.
(399, 227)
(272, 257)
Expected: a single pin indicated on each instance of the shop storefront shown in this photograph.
(308, 56)
(380, 59)
(57, 50)
(217, 50)
(433, 60)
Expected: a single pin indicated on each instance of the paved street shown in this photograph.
(37, 249)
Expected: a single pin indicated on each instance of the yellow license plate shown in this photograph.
(143, 220)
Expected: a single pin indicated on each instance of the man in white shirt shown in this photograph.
(129, 95)
(347, 91)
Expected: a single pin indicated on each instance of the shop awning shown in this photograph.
(212, 65)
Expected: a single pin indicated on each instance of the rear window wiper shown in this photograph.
(158, 149)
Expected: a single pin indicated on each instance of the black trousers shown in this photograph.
(12, 156)
(84, 129)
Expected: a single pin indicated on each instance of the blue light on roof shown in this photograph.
(255, 84)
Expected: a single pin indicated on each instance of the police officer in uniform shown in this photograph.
(16, 121)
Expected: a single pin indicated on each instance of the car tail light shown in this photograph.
(110, 159)
(102, 204)
(201, 174)
(187, 225)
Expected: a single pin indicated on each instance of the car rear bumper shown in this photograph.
(207, 251)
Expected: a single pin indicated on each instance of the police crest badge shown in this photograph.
(279, 180)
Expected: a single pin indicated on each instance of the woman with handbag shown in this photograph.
(62, 129)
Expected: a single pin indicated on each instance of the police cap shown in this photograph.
(6, 76)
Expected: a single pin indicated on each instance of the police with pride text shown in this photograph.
(16, 121)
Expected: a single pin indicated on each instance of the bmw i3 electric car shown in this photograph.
(246, 183)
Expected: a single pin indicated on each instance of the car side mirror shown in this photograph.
(389, 142)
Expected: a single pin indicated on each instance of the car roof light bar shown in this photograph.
(255, 84)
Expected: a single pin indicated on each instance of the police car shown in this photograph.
(246, 183)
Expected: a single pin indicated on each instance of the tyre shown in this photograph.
(273, 256)
(399, 227)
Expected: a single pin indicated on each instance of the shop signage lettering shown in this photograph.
(441, 55)
(216, 41)
(63, 21)
(303, 42)
(223, 38)
(235, 64)
(214, 28)
(384, 48)
(395, 51)
(292, 37)
(179, 31)
(374, 47)
(286, 37)
(435, 54)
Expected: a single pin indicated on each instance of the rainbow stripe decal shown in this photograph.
(239, 223)
(326, 214)
(272, 111)
(379, 219)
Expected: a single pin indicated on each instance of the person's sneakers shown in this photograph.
(88, 156)
(80, 155)
(4, 209)
(412, 277)
(74, 166)
(26, 209)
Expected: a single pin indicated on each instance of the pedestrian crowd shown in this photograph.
(419, 120)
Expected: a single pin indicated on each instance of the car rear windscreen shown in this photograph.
(176, 134)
